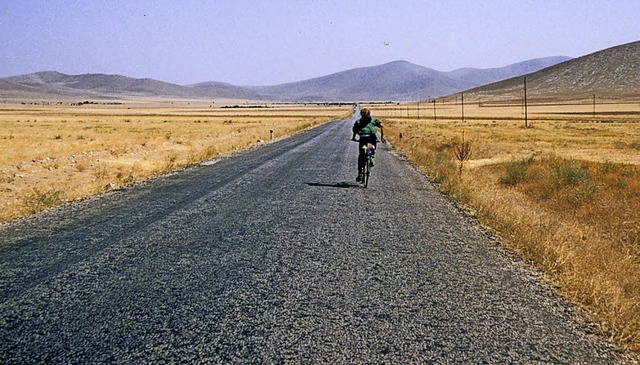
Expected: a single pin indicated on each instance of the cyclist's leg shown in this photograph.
(361, 160)
(374, 141)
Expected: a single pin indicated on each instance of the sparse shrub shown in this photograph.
(170, 163)
(607, 167)
(559, 179)
(462, 152)
(101, 172)
(515, 171)
(126, 178)
(566, 172)
(583, 193)
(41, 200)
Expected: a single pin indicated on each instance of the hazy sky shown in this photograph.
(251, 42)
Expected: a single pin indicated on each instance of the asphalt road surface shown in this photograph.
(275, 255)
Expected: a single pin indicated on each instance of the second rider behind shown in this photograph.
(365, 128)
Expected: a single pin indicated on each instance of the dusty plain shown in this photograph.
(56, 152)
(564, 192)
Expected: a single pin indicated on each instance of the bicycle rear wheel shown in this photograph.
(367, 171)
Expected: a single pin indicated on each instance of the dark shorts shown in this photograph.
(368, 138)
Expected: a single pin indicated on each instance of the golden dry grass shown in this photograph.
(50, 154)
(564, 193)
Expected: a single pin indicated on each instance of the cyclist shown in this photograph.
(365, 128)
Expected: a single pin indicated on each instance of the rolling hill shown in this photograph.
(490, 75)
(610, 73)
(399, 80)
(55, 84)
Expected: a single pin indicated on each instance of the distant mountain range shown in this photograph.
(51, 84)
(614, 71)
(397, 81)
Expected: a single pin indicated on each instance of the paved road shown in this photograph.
(275, 256)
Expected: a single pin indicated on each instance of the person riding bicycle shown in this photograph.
(365, 128)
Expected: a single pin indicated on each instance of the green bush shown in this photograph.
(515, 171)
(567, 172)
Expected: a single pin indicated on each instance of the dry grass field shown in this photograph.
(50, 154)
(564, 193)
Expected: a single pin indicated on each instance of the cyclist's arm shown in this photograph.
(382, 132)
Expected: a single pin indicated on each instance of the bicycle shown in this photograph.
(366, 155)
(365, 161)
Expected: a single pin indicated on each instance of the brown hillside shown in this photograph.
(611, 73)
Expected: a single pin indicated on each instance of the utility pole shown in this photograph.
(462, 95)
(594, 107)
(435, 117)
(526, 116)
